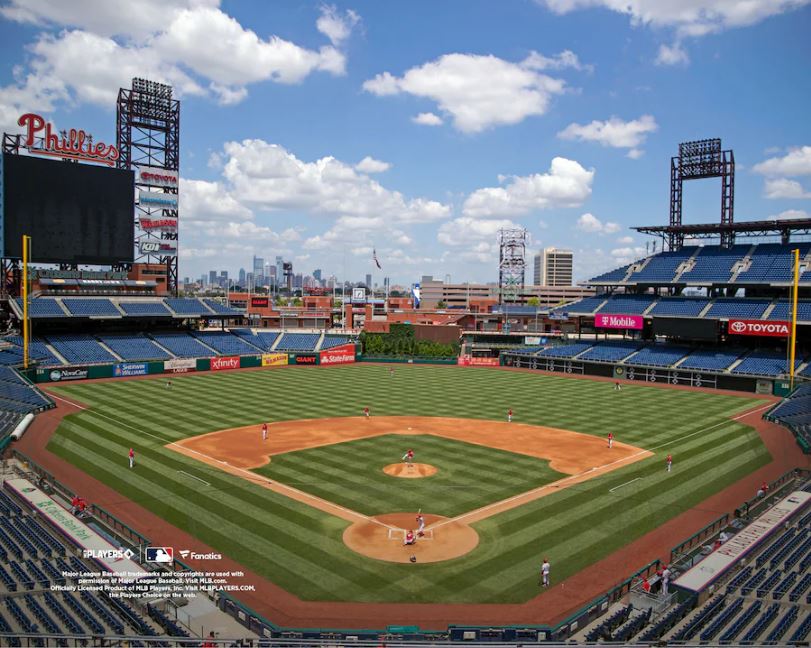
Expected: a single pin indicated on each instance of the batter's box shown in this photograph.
(399, 535)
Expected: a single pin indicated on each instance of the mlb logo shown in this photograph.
(160, 554)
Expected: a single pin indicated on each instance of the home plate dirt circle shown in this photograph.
(381, 537)
(412, 471)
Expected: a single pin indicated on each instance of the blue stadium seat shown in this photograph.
(331, 341)
(145, 308)
(80, 349)
(711, 359)
(611, 351)
(627, 304)
(659, 355)
(226, 343)
(222, 309)
(680, 306)
(714, 264)
(782, 311)
(134, 347)
(187, 307)
(182, 345)
(661, 268)
(584, 307)
(614, 276)
(43, 307)
(764, 363)
(89, 307)
(298, 341)
(262, 339)
(565, 351)
(744, 308)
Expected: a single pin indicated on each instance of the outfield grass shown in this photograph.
(301, 549)
(469, 476)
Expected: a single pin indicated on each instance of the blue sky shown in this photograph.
(321, 131)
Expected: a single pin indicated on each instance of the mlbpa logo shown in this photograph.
(160, 554)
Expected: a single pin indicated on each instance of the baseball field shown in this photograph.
(321, 507)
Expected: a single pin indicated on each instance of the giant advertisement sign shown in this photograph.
(157, 199)
(719, 561)
(155, 177)
(158, 248)
(124, 369)
(274, 359)
(260, 302)
(74, 373)
(302, 359)
(180, 365)
(759, 328)
(150, 224)
(635, 322)
(225, 362)
(343, 354)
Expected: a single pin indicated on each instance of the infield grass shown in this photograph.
(300, 548)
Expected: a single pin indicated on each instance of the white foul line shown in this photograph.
(611, 490)
(183, 472)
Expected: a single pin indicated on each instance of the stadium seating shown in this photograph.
(80, 349)
(298, 341)
(764, 363)
(737, 307)
(134, 347)
(221, 309)
(711, 359)
(658, 355)
(611, 351)
(627, 304)
(100, 307)
(182, 345)
(43, 307)
(262, 339)
(566, 350)
(680, 306)
(14, 388)
(714, 264)
(612, 277)
(187, 307)
(144, 308)
(331, 341)
(37, 349)
(782, 311)
(583, 307)
(225, 343)
(661, 268)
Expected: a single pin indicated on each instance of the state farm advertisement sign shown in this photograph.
(227, 362)
(634, 322)
(343, 354)
(759, 328)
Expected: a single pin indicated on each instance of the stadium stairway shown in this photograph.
(320, 341)
(108, 349)
(161, 347)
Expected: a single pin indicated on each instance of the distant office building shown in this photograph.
(212, 277)
(258, 269)
(242, 277)
(553, 267)
(368, 281)
(537, 274)
(317, 275)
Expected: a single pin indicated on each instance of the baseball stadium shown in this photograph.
(631, 467)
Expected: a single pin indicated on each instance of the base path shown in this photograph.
(410, 471)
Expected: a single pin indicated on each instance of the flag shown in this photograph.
(374, 258)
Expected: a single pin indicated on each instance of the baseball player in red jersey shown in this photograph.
(264, 431)
(669, 462)
(408, 457)
(409, 538)
(610, 440)
(132, 457)
(366, 412)
(509, 416)
(420, 526)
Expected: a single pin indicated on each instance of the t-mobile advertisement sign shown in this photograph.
(634, 322)
(759, 328)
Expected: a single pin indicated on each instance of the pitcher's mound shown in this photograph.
(385, 541)
(410, 471)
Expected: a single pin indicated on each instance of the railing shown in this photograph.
(135, 538)
(699, 536)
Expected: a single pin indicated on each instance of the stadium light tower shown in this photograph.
(148, 137)
(512, 263)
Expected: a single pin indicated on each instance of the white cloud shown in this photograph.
(428, 119)
(673, 54)
(203, 201)
(784, 188)
(479, 92)
(561, 61)
(370, 165)
(335, 26)
(590, 223)
(268, 176)
(190, 44)
(476, 236)
(790, 214)
(625, 240)
(566, 184)
(623, 256)
(689, 17)
(796, 162)
(614, 132)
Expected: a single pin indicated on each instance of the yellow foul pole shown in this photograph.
(794, 314)
(26, 320)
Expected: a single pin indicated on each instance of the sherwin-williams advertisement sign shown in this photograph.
(635, 322)
(131, 369)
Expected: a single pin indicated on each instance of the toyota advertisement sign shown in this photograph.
(759, 328)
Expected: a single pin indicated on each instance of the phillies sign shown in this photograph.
(634, 322)
(759, 328)
(73, 144)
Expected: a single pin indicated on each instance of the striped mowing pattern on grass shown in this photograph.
(300, 548)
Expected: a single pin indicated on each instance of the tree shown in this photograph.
(441, 304)
(533, 301)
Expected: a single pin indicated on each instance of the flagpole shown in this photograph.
(794, 315)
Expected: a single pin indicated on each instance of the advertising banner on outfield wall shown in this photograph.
(759, 328)
(180, 365)
(74, 373)
(302, 359)
(225, 362)
(343, 354)
(635, 322)
(130, 369)
(471, 361)
(274, 359)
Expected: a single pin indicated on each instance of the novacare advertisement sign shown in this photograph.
(157, 199)
(635, 322)
(759, 328)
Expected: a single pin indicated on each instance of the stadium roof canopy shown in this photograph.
(784, 228)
